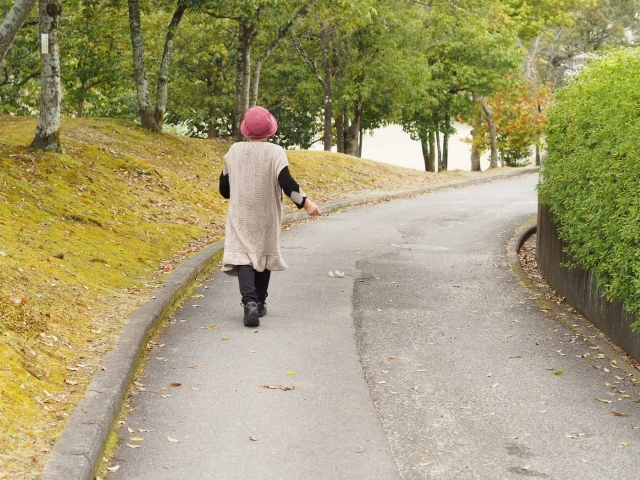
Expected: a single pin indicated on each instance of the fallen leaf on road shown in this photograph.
(291, 372)
(494, 385)
(381, 381)
(331, 274)
(279, 387)
(391, 358)
(252, 351)
(253, 439)
(193, 366)
(606, 370)
(197, 296)
(142, 430)
(602, 400)
(136, 439)
(173, 440)
(339, 274)
(426, 464)
(175, 384)
(422, 370)
(624, 442)
(570, 435)
(618, 414)
(114, 468)
(166, 396)
(212, 326)
(132, 446)
(557, 373)
(130, 429)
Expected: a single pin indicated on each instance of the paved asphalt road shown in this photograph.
(426, 360)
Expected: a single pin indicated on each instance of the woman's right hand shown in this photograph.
(311, 208)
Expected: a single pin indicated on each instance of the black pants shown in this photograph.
(253, 285)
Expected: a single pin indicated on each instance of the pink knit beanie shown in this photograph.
(258, 123)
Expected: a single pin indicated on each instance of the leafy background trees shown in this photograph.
(329, 69)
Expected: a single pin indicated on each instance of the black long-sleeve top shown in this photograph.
(285, 180)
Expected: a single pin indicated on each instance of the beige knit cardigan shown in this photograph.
(254, 218)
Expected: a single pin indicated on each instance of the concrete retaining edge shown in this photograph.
(77, 453)
(580, 287)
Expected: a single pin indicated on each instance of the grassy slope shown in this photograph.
(85, 237)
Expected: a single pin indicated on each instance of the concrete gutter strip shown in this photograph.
(77, 453)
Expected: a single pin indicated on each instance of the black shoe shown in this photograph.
(251, 316)
(262, 308)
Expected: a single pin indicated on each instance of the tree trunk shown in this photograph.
(276, 42)
(340, 132)
(211, 131)
(147, 118)
(537, 154)
(47, 135)
(353, 133)
(360, 140)
(12, 23)
(475, 151)
(243, 72)
(439, 146)
(326, 66)
(432, 152)
(445, 153)
(80, 112)
(493, 162)
(163, 76)
(426, 149)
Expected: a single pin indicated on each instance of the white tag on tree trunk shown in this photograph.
(44, 43)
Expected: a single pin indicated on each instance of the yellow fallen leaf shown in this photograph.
(114, 468)
(290, 373)
(624, 442)
(132, 446)
(197, 296)
(426, 464)
(225, 338)
(130, 429)
(193, 366)
(142, 430)
(212, 326)
(173, 440)
(136, 439)
(602, 400)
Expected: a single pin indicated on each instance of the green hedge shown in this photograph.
(591, 179)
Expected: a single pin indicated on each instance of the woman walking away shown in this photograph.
(254, 176)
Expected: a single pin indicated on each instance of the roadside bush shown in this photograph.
(591, 179)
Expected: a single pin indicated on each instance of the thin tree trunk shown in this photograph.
(243, 72)
(47, 135)
(80, 112)
(340, 132)
(360, 139)
(445, 153)
(538, 154)
(475, 151)
(12, 23)
(432, 152)
(276, 42)
(211, 131)
(354, 132)
(147, 118)
(326, 66)
(439, 148)
(163, 76)
(426, 149)
(493, 162)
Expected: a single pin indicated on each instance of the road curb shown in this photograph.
(77, 453)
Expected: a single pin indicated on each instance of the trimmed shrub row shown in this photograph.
(591, 178)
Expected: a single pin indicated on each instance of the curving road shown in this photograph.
(426, 360)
